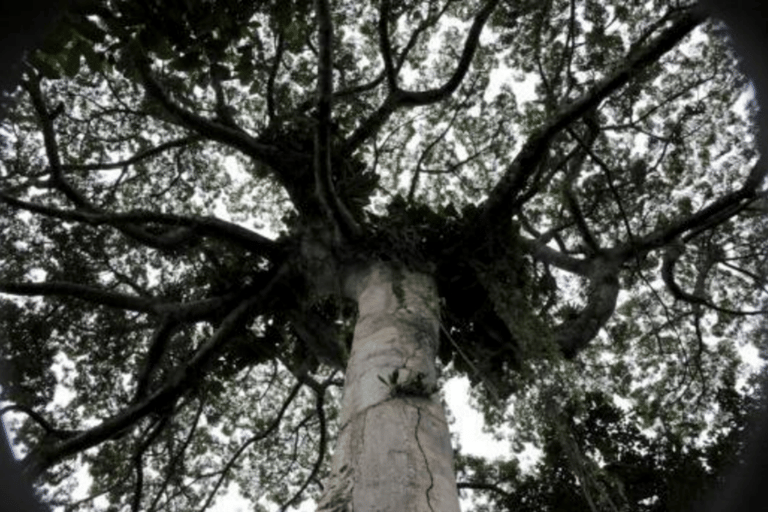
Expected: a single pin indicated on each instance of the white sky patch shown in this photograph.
(469, 423)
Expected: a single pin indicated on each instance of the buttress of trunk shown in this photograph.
(394, 450)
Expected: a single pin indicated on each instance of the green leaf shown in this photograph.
(44, 66)
(95, 61)
(164, 50)
(55, 42)
(187, 62)
(71, 61)
(88, 29)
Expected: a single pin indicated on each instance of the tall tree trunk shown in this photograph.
(394, 451)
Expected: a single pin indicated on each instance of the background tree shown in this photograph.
(142, 173)
(639, 471)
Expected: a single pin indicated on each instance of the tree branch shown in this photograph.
(185, 227)
(157, 348)
(324, 188)
(503, 198)
(253, 439)
(229, 136)
(419, 98)
(82, 292)
(178, 311)
(138, 157)
(575, 333)
(56, 433)
(672, 254)
(541, 252)
(708, 217)
(180, 380)
(399, 98)
(271, 110)
(385, 45)
(321, 450)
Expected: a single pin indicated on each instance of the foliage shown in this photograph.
(187, 187)
(640, 471)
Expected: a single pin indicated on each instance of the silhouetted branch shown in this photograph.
(253, 439)
(321, 450)
(185, 227)
(502, 200)
(324, 188)
(575, 333)
(672, 254)
(271, 111)
(56, 433)
(398, 98)
(178, 455)
(138, 157)
(213, 130)
(43, 457)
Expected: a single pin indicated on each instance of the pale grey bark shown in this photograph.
(394, 452)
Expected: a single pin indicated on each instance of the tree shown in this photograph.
(651, 474)
(412, 201)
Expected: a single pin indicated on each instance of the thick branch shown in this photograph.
(185, 227)
(385, 45)
(541, 252)
(417, 98)
(179, 311)
(157, 347)
(329, 200)
(575, 333)
(82, 292)
(708, 217)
